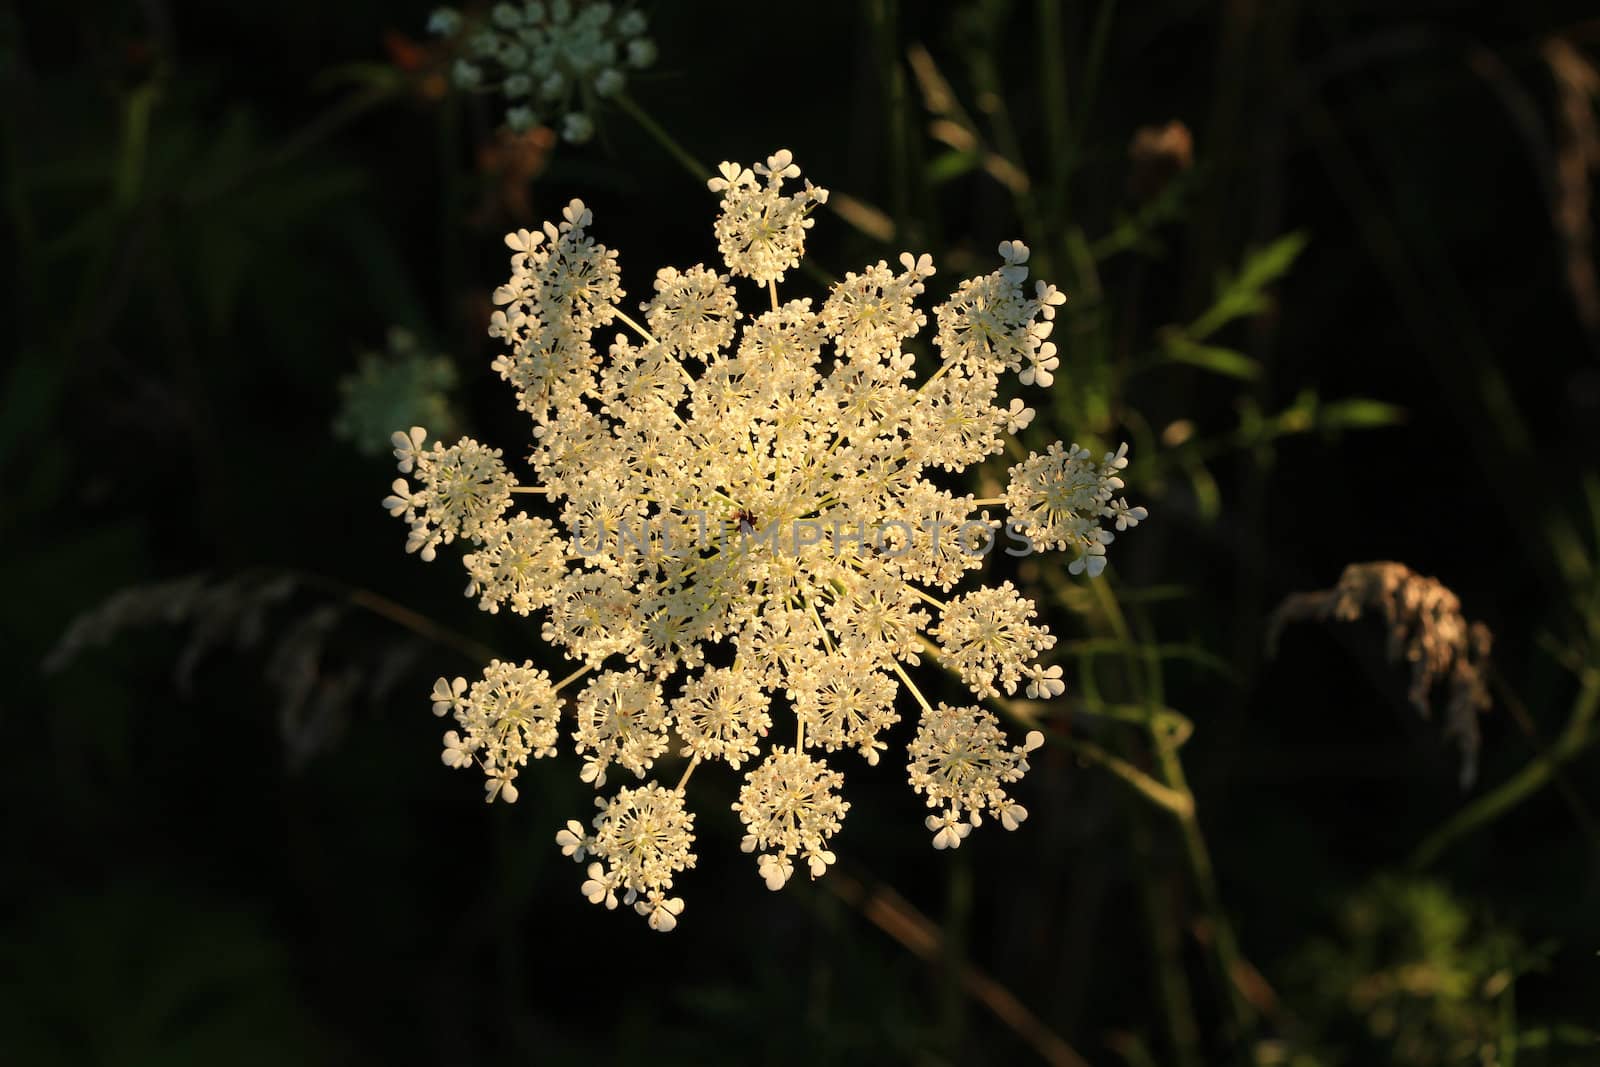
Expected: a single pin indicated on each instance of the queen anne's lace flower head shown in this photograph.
(623, 720)
(761, 232)
(722, 715)
(642, 837)
(845, 701)
(1059, 498)
(875, 310)
(959, 760)
(521, 561)
(791, 807)
(511, 713)
(552, 61)
(733, 532)
(464, 489)
(988, 635)
(693, 312)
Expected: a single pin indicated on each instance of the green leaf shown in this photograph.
(1186, 652)
(384, 77)
(138, 109)
(1137, 232)
(1223, 361)
(1265, 266)
(1358, 413)
(1242, 295)
(1207, 497)
(950, 166)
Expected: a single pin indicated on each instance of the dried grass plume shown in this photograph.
(1426, 629)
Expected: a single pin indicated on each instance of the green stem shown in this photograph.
(697, 170)
(1009, 148)
(957, 921)
(1166, 945)
(1577, 736)
(1224, 947)
(307, 137)
(1053, 86)
(1098, 37)
(1178, 803)
(885, 17)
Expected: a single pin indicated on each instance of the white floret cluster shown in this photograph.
(552, 60)
(802, 560)
(1059, 498)
(506, 716)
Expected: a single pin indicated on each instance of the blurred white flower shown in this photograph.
(554, 62)
(402, 386)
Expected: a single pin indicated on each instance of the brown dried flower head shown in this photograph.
(1426, 629)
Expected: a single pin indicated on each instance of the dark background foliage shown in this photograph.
(228, 836)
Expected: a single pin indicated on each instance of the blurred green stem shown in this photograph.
(885, 16)
(1175, 802)
(1577, 736)
(1225, 948)
(992, 101)
(1508, 699)
(307, 137)
(1169, 768)
(1098, 38)
(1166, 945)
(1508, 1026)
(697, 170)
(957, 920)
(1053, 85)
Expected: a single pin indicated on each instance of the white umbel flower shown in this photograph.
(722, 715)
(508, 715)
(872, 312)
(960, 762)
(642, 838)
(623, 720)
(733, 527)
(463, 489)
(988, 635)
(844, 701)
(762, 232)
(518, 566)
(563, 287)
(693, 312)
(791, 807)
(1059, 498)
(559, 59)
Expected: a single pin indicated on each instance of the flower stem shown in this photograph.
(698, 170)
(687, 771)
(403, 616)
(573, 677)
(1169, 768)
(640, 330)
(912, 686)
(1535, 776)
